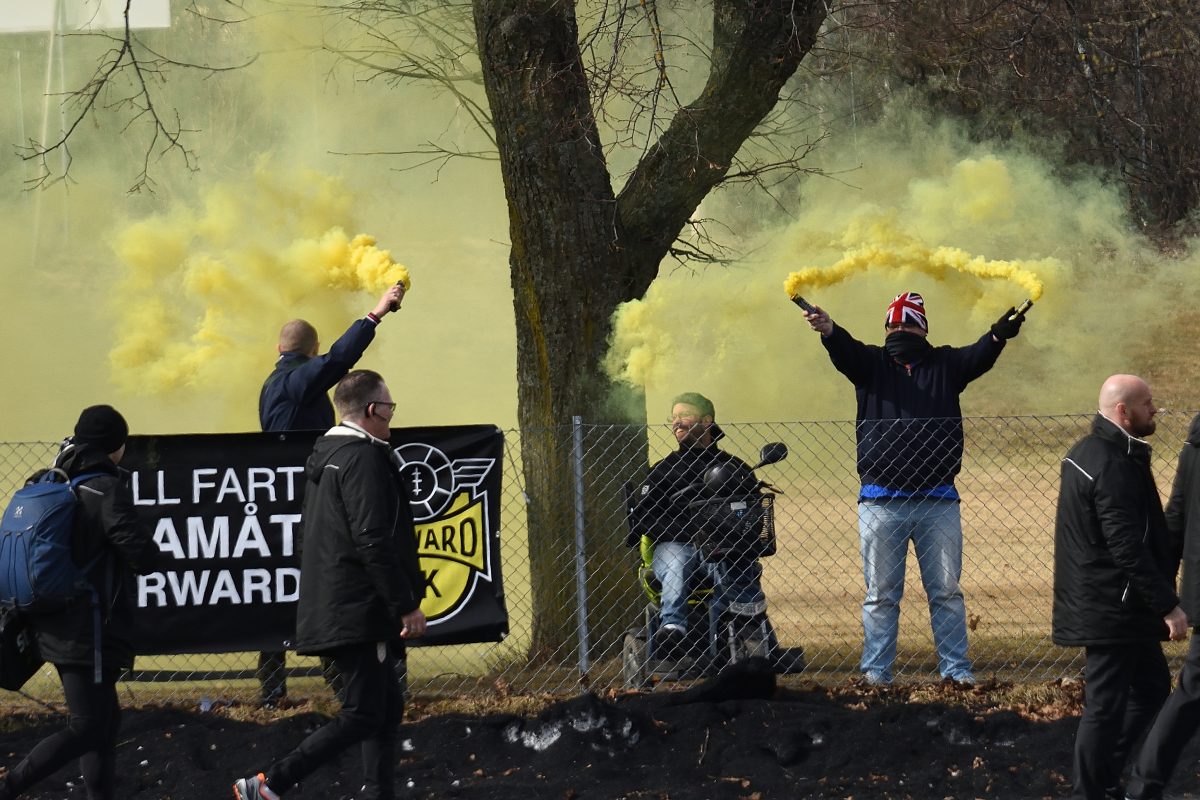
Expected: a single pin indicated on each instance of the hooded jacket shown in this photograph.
(1114, 561)
(295, 396)
(107, 531)
(656, 511)
(909, 422)
(359, 569)
(1183, 520)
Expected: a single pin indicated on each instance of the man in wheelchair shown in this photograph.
(702, 523)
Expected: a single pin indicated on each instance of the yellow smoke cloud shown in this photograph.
(889, 248)
(917, 206)
(168, 304)
(199, 287)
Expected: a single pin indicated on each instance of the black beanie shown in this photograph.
(102, 426)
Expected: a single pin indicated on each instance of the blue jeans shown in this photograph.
(675, 565)
(885, 528)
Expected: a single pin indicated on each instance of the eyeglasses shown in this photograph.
(391, 406)
(682, 418)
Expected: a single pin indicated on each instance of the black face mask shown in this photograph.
(906, 347)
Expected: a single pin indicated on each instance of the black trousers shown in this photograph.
(1171, 731)
(93, 719)
(372, 708)
(272, 676)
(1125, 686)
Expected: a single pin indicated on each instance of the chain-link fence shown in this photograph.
(572, 585)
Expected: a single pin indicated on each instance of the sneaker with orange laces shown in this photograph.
(253, 788)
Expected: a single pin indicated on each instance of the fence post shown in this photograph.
(580, 552)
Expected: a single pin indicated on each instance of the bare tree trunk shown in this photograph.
(578, 252)
(565, 254)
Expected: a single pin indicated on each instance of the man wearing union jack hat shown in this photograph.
(909, 436)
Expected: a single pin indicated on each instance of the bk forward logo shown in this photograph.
(450, 513)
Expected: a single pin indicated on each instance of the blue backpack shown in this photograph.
(37, 572)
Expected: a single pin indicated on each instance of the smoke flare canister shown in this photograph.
(804, 304)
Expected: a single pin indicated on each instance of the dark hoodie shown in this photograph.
(359, 569)
(106, 531)
(1183, 520)
(909, 427)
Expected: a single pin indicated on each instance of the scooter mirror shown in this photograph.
(775, 451)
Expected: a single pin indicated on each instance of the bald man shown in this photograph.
(295, 396)
(1114, 583)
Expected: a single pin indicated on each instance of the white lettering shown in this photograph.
(231, 485)
(214, 545)
(290, 473)
(256, 582)
(261, 478)
(250, 537)
(151, 585)
(167, 539)
(289, 522)
(289, 577)
(161, 499)
(193, 587)
(223, 589)
(188, 590)
(198, 484)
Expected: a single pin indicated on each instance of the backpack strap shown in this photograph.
(81, 477)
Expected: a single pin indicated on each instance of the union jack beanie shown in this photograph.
(908, 307)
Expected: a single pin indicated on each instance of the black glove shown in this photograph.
(1009, 324)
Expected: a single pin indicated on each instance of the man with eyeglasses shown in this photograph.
(295, 397)
(909, 436)
(360, 590)
(660, 510)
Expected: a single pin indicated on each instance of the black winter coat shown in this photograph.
(1183, 521)
(295, 396)
(105, 526)
(909, 431)
(1114, 561)
(659, 515)
(359, 569)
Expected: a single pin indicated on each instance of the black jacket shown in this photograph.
(295, 396)
(107, 531)
(909, 430)
(655, 511)
(1114, 562)
(1183, 521)
(359, 569)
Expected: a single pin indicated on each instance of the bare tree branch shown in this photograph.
(131, 61)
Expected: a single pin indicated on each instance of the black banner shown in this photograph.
(224, 510)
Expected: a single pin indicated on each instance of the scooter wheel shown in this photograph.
(634, 670)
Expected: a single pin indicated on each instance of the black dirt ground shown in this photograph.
(931, 741)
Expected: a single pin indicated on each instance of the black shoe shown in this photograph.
(668, 642)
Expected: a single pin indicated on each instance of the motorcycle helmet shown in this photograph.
(728, 478)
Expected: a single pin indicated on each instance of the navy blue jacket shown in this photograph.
(295, 397)
(909, 421)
